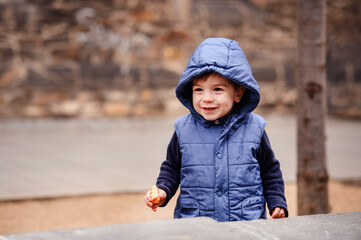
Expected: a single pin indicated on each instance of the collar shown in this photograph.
(225, 120)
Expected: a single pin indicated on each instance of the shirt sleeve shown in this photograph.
(272, 181)
(169, 175)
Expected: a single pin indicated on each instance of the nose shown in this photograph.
(208, 97)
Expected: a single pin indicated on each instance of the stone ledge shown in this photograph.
(325, 226)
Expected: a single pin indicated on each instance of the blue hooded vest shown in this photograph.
(220, 175)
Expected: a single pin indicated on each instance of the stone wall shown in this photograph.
(318, 226)
(90, 58)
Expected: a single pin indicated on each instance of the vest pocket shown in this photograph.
(186, 208)
(253, 208)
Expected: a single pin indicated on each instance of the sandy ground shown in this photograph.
(89, 211)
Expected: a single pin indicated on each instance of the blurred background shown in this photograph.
(87, 99)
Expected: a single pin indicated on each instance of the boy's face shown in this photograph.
(214, 96)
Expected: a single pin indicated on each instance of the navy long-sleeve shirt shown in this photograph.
(272, 181)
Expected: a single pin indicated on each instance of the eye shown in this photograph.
(197, 90)
(218, 89)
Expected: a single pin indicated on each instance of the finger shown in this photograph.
(276, 212)
(155, 208)
(149, 204)
(282, 213)
(147, 200)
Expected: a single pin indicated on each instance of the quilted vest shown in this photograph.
(220, 175)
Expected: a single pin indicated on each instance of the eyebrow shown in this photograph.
(221, 85)
(215, 85)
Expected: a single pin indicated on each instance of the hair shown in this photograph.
(204, 76)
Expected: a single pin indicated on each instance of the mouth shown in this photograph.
(209, 109)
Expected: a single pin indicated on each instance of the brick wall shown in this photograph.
(90, 58)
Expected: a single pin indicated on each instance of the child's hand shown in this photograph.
(162, 196)
(278, 212)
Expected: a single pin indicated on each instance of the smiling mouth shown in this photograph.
(209, 108)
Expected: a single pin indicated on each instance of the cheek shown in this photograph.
(227, 102)
(195, 98)
(228, 107)
(195, 101)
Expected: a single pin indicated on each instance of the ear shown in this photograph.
(239, 93)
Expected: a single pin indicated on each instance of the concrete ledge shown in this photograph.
(328, 226)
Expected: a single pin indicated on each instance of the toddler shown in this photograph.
(219, 154)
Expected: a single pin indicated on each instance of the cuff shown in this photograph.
(167, 191)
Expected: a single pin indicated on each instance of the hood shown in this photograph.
(225, 57)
